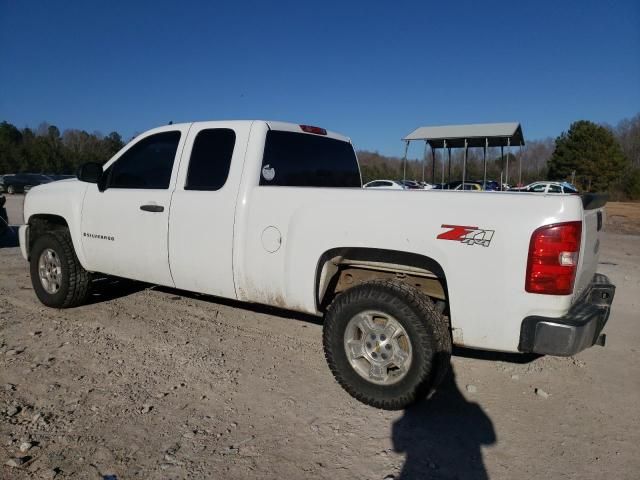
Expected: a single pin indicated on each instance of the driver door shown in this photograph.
(125, 218)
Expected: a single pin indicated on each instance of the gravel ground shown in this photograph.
(153, 383)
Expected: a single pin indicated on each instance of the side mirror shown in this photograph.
(90, 172)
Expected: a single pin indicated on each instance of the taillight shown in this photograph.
(311, 129)
(553, 258)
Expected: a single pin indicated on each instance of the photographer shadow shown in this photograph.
(443, 437)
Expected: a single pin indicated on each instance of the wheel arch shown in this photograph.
(336, 265)
(41, 223)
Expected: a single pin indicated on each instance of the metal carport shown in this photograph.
(483, 135)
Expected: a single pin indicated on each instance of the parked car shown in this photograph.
(385, 184)
(273, 213)
(547, 187)
(469, 186)
(16, 183)
(489, 186)
(427, 186)
(411, 185)
(56, 177)
(450, 185)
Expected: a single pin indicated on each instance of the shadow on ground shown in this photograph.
(105, 288)
(443, 437)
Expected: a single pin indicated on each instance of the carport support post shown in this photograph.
(444, 146)
(464, 162)
(520, 166)
(449, 177)
(506, 172)
(433, 165)
(424, 159)
(486, 145)
(404, 160)
(502, 167)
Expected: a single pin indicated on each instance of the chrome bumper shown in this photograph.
(579, 329)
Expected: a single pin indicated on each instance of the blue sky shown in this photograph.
(371, 70)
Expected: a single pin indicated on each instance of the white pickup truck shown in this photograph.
(274, 213)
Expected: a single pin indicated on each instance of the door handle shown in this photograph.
(152, 208)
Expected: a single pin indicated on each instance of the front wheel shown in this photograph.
(56, 274)
(386, 344)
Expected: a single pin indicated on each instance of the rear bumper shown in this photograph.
(579, 329)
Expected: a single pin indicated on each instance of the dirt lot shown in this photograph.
(623, 217)
(151, 383)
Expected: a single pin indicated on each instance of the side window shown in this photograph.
(541, 187)
(210, 159)
(555, 189)
(147, 164)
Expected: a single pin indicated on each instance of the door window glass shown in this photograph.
(210, 159)
(148, 164)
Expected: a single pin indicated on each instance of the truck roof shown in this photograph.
(277, 125)
(294, 127)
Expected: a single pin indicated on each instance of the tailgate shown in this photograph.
(592, 226)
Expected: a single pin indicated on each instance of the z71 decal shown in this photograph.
(467, 235)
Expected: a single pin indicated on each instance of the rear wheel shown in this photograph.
(386, 344)
(56, 274)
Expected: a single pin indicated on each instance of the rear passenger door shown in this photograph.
(203, 208)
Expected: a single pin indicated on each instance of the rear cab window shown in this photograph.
(294, 159)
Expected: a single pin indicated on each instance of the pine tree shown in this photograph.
(592, 152)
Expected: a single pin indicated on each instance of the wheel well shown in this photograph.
(342, 268)
(42, 223)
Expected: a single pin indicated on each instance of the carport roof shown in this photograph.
(498, 134)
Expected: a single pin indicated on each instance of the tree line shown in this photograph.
(594, 157)
(46, 150)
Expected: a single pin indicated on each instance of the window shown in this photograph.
(555, 189)
(147, 164)
(210, 159)
(380, 183)
(540, 187)
(305, 160)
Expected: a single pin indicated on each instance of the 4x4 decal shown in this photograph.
(467, 235)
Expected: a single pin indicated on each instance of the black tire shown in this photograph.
(75, 280)
(427, 329)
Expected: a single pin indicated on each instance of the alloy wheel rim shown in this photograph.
(50, 271)
(378, 347)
